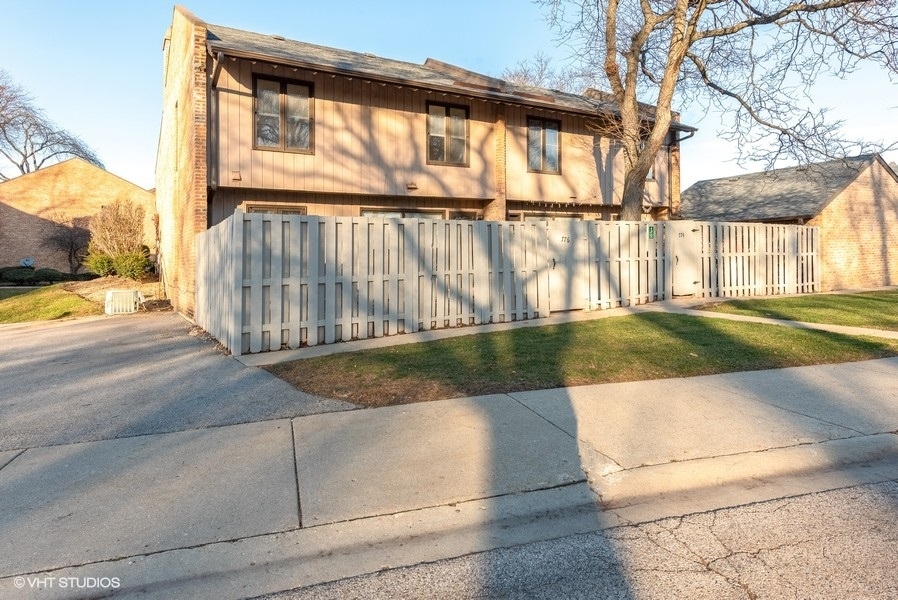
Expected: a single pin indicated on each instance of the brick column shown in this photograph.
(495, 209)
(674, 175)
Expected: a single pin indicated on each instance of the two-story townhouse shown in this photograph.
(261, 123)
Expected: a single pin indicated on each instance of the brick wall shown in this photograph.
(859, 232)
(30, 204)
(181, 181)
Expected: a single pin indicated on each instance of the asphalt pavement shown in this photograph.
(135, 458)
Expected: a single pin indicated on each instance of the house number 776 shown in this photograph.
(565, 239)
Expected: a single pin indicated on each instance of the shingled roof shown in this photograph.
(779, 195)
(433, 74)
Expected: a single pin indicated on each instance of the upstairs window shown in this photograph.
(543, 149)
(283, 115)
(447, 134)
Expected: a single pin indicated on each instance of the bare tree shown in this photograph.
(540, 72)
(71, 237)
(28, 139)
(755, 61)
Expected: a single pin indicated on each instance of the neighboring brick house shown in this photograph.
(853, 201)
(260, 123)
(73, 189)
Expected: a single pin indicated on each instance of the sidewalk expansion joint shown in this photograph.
(292, 530)
(296, 475)
(539, 415)
(453, 503)
(141, 555)
(789, 410)
(168, 432)
(687, 461)
(9, 462)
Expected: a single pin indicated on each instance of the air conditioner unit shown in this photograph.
(122, 302)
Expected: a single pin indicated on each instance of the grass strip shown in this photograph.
(876, 310)
(43, 304)
(630, 348)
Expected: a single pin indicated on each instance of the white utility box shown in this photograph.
(122, 302)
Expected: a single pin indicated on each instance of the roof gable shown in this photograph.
(73, 183)
(781, 194)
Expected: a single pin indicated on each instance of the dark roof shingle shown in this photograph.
(431, 75)
(781, 194)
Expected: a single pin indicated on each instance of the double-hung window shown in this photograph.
(283, 115)
(543, 148)
(447, 134)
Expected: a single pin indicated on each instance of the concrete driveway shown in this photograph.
(113, 377)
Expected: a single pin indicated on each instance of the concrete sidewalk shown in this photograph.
(242, 510)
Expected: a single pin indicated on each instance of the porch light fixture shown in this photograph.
(411, 185)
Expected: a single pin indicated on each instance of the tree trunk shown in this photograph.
(631, 199)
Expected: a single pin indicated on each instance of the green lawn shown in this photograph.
(43, 304)
(638, 347)
(877, 310)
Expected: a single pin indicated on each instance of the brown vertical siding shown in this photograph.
(369, 138)
(226, 201)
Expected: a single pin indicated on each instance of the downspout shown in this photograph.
(212, 135)
(675, 182)
(216, 71)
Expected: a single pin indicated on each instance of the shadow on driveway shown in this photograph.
(95, 379)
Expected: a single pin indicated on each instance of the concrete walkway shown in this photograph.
(240, 510)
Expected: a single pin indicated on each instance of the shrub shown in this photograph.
(13, 268)
(49, 275)
(117, 229)
(101, 264)
(19, 276)
(116, 241)
(130, 264)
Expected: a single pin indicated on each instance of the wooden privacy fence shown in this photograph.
(757, 259)
(268, 282)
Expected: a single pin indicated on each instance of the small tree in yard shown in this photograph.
(116, 245)
(71, 237)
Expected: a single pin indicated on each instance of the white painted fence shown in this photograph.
(605, 264)
(267, 282)
(756, 259)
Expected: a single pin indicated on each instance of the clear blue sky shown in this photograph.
(95, 66)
